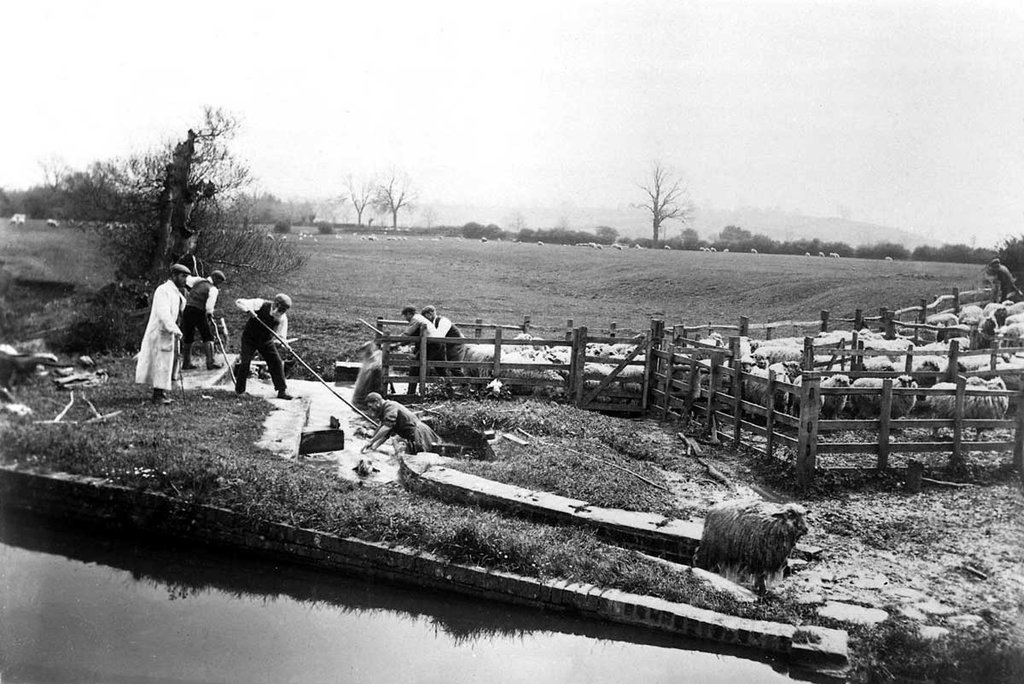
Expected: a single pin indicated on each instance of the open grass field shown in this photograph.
(347, 278)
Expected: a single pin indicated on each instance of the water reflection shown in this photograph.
(78, 607)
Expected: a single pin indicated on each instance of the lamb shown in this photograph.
(833, 404)
(750, 540)
(869, 405)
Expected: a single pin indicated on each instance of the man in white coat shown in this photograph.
(156, 357)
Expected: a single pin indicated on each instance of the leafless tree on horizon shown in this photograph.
(667, 199)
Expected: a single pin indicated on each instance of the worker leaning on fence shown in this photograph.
(443, 327)
(395, 418)
(418, 326)
(198, 315)
(156, 357)
(265, 319)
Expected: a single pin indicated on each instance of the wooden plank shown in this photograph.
(1018, 436)
(958, 419)
(580, 366)
(770, 417)
(608, 379)
(885, 416)
(667, 388)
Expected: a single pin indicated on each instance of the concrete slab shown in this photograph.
(847, 612)
(200, 378)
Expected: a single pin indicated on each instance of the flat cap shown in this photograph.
(180, 268)
(218, 276)
(283, 299)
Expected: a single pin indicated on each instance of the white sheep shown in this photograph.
(944, 318)
(750, 540)
(977, 406)
(870, 405)
(888, 258)
(833, 404)
(971, 314)
(753, 251)
(833, 255)
(821, 254)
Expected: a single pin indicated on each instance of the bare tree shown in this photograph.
(360, 193)
(55, 171)
(429, 216)
(393, 194)
(667, 199)
(517, 221)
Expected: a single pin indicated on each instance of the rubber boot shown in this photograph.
(186, 357)
(210, 363)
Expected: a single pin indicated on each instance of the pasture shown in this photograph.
(347, 278)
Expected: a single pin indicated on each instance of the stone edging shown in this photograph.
(675, 540)
(115, 507)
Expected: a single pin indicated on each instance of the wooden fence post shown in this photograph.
(807, 442)
(568, 329)
(1018, 437)
(953, 361)
(890, 325)
(882, 312)
(611, 329)
(478, 329)
(423, 363)
(883, 424)
(717, 359)
(744, 326)
(956, 300)
(956, 461)
(737, 390)
(922, 315)
(693, 389)
(574, 361)
(526, 324)
(581, 366)
(380, 326)
(858, 319)
(768, 331)
(654, 343)
(808, 361)
(824, 320)
(385, 364)
(496, 370)
(769, 423)
(678, 332)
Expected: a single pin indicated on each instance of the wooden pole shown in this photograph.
(808, 431)
(478, 329)
(808, 360)
(611, 329)
(858, 319)
(526, 324)
(1018, 437)
(744, 326)
(953, 361)
(883, 424)
(717, 359)
(568, 329)
(956, 300)
(496, 370)
(737, 390)
(654, 343)
(824, 320)
(957, 459)
(423, 363)
(692, 390)
(581, 366)
(385, 363)
(769, 423)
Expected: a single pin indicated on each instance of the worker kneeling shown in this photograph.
(396, 418)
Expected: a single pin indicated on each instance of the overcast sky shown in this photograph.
(908, 113)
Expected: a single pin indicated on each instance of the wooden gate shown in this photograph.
(610, 384)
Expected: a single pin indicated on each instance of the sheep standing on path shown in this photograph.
(750, 540)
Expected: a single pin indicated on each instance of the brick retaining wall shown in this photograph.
(115, 507)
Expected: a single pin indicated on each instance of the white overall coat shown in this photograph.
(156, 357)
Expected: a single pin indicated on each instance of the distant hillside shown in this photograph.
(776, 224)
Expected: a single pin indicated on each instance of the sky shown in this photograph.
(903, 113)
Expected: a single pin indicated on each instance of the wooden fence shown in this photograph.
(690, 378)
(568, 370)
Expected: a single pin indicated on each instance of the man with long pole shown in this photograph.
(267, 321)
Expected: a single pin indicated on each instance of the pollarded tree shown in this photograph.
(183, 199)
(666, 199)
(393, 194)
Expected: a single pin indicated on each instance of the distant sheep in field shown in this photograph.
(725, 251)
(483, 239)
(713, 249)
(807, 254)
(888, 258)
(750, 540)
(617, 246)
(833, 255)
(753, 251)
(833, 404)
(666, 247)
(869, 405)
(540, 243)
(53, 223)
(821, 254)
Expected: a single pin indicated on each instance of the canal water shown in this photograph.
(78, 607)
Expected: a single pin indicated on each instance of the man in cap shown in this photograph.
(437, 351)
(198, 314)
(418, 327)
(155, 360)
(395, 418)
(265, 319)
(1004, 285)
